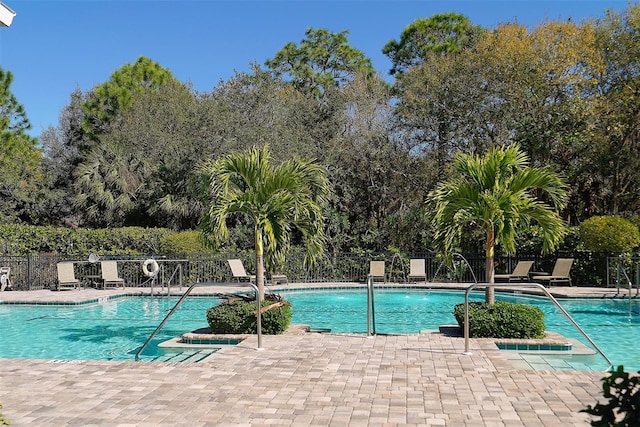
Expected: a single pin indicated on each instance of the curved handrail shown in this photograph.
(184, 296)
(547, 293)
(456, 254)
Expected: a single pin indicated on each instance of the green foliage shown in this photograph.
(20, 240)
(20, 160)
(238, 317)
(111, 98)
(277, 199)
(502, 320)
(323, 60)
(623, 409)
(185, 242)
(3, 420)
(609, 234)
(440, 34)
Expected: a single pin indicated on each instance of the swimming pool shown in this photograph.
(613, 324)
(114, 330)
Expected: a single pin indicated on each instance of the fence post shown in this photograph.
(29, 275)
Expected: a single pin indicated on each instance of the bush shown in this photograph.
(185, 242)
(21, 240)
(238, 317)
(609, 234)
(502, 320)
(623, 408)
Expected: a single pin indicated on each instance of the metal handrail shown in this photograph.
(371, 313)
(547, 293)
(184, 296)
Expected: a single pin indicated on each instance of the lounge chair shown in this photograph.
(5, 279)
(560, 273)
(238, 272)
(519, 274)
(417, 270)
(110, 274)
(376, 270)
(66, 276)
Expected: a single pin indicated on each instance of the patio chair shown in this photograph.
(110, 274)
(5, 279)
(66, 276)
(376, 270)
(238, 272)
(417, 270)
(519, 274)
(560, 273)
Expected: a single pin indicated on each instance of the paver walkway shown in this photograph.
(301, 380)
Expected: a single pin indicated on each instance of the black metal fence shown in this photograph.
(35, 272)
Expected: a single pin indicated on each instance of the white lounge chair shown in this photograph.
(519, 274)
(110, 274)
(66, 276)
(560, 273)
(417, 270)
(376, 270)
(238, 272)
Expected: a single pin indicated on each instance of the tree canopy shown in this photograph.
(125, 152)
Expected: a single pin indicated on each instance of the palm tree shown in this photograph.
(501, 192)
(276, 198)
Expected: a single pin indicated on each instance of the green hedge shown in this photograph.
(22, 240)
(185, 242)
(502, 320)
(238, 317)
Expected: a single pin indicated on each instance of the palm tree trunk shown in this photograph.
(259, 262)
(489, 293)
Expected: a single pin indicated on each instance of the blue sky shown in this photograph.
(54, 46)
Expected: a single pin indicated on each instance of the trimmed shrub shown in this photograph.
(237, 317)
(185, 242)
(609, 234)
(502, 320)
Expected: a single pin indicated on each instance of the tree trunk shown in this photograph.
(259, 262)
(489, 293)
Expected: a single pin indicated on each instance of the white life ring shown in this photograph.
(4, 280)
(150, 272)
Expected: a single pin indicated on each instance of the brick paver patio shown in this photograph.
(298, 380)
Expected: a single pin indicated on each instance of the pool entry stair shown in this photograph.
(548, 294)
(184, 296)
(185, 356)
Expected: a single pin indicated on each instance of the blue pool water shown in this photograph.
(614, 325)
(116, 329)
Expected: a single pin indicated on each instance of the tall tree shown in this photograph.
(420, 41)
(609, 171)
(321, 61)
(20, 159)
(107, 101)
(502, 193)
(61, 146)
(276, 198)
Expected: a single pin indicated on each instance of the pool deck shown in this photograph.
(299, 379)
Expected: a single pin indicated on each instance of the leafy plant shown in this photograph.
(238, 317)
(609, 234)
(3, 420)
(623, 408)
(186, 242)
(502, 320)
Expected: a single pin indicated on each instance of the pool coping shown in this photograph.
(93, 296)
